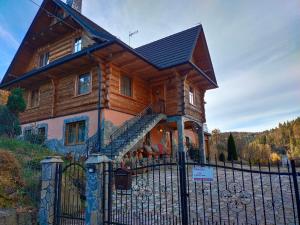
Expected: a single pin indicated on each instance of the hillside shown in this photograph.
(20, 171)
(283, 139)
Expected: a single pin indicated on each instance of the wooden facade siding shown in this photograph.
(195, 110)
(59, 48)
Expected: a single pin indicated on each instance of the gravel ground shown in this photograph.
(231, 198)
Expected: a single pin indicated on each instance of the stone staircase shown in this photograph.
(128, 134)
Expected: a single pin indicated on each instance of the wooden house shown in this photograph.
(79, 79)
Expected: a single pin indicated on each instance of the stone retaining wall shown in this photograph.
(11, 217)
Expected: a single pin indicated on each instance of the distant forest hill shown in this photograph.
(261, 146)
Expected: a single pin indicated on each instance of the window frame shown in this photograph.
(131, 85)
(75, 45)
(78, 81)
(67, 143)
(192, 96)
(29, 100)
(42, 59)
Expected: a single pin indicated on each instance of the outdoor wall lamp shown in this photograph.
(91, 168)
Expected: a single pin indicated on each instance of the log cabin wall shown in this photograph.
(59, 48)
(43, 110)
(173, 91)
(58, 97)
(195, 110)
(141, 93)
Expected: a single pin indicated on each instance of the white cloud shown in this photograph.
(8, 38)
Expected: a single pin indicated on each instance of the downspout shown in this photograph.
(99, 110)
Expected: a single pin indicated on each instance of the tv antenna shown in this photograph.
(130, 35)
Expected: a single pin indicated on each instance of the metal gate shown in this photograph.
(70, 194)
(163, 191)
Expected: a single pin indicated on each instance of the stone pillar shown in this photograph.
(95, 165)
(48, 177)
(201, 144)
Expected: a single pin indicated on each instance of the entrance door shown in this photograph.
(158, 98)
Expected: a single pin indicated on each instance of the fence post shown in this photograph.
(50, 166)
(296, 187)
(95, 208)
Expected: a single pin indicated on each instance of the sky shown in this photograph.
(254, 46)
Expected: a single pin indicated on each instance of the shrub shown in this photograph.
(16, 102)
(222, 157)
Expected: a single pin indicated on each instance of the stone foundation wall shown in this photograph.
(11, 217)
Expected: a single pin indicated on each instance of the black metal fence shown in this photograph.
(70, 194)
(164, 191)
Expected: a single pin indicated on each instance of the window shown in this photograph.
(84, 84)
(27, 132)
(77, 44)
(126, 86)
(44, 59)
(75, 133)
(191, 95)
(34, 98)
(42, 132)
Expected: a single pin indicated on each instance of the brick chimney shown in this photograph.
(75, 4)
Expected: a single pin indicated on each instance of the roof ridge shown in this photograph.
(153, 42)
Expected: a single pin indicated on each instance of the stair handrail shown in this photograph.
(126, 125)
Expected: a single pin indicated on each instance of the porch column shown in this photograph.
(201, 144)
(96, 177)
(180, 129)
(50, 166)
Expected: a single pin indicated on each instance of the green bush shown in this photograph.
(222, 157)
(16, 102)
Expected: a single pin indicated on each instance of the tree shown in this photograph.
(16, 102)
(9, 123)
(9, 114)
(232, 154)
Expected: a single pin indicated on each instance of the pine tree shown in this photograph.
(232, 154)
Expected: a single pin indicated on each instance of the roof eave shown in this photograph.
(203, 74)
(57, 63)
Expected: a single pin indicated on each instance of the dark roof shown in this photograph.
(164, 53)
(172, 50)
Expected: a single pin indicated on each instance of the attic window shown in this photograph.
(44, 59)
(77, 44)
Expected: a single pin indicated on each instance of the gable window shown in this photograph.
(75, 133)
(84, 84)
(77, 44)
(191, 96)
(34, 98)
(44, 59)
(126, 86)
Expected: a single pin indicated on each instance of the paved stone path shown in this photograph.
(233, 197)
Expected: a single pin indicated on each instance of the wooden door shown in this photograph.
(158, 98)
